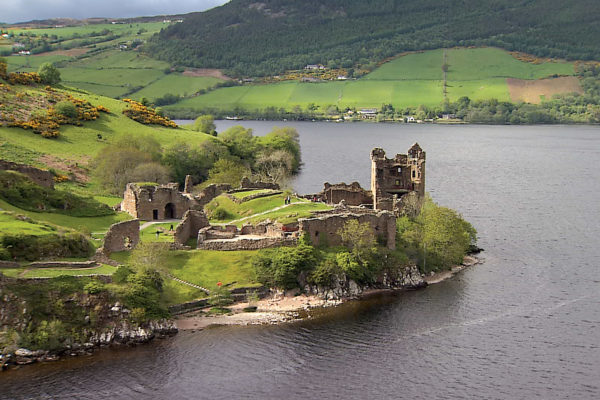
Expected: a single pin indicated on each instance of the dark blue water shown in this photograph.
(523, 325)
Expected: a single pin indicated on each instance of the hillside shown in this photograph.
(407, 81)
(249, 38)
(102, 59)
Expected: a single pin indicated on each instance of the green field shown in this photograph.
(207, 267)
(407, 81)
(105, 69)
(118, 29)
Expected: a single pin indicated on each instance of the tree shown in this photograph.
(150, 172)
(49, 73)
(228, 171)
(358, 237)
(274, 166)
(206, 124)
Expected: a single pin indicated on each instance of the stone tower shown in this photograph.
(394, 178)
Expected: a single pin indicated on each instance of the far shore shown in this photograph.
(281, 308)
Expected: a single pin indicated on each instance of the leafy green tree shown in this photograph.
(228, 171)
(205, 124)
(49, 73)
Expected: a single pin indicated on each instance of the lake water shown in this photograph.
(523, 325)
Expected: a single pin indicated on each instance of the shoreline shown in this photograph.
(289, 307)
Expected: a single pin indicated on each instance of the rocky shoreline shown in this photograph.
(124, 334)
(291, 306)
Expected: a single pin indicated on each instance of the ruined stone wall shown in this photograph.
(122, 236)
(246, 244)
(205, 196)
(353, 194)
(156, 202)
(39, 176)
(323, 230)
(248, 184)
(192, 222)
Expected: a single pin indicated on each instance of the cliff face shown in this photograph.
(343, 287)
(41, 320)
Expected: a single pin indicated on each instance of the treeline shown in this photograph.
(246, 38)
(234, 154)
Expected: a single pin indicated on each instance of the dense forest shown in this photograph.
(250, 38)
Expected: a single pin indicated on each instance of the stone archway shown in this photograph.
(170, 211)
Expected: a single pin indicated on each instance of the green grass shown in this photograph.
(406, 81)
(148, 234)
(69, 31)
(177, 293)
(207, 267)
(9, 223)
(54, 272)
(289, 214)
(426, 65)
(176, 84)
(91, 224)
(489, 63)
(248, 208)
(80, 143)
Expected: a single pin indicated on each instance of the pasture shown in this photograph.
(407, 81)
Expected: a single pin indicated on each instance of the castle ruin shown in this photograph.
(397, 184)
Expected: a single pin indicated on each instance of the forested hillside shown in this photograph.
(250, 38)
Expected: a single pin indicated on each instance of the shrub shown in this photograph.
(281, 267)
(49, 74)
(220, 297)
(66, 109)
(93, 287)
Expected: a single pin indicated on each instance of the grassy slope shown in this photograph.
(409, 80)
(13, 225)
(81, 143)
(91, 224)
(207, 267)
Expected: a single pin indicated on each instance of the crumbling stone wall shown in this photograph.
(39, 176)
(192, 222)
(324, 228)
(353, 194)
(248, 184)
(154, 202)
(246, 243)
(122, 236)
(393, 178)
(210, 192)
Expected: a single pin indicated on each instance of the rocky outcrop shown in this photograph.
(124, 334)
(343, 287)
